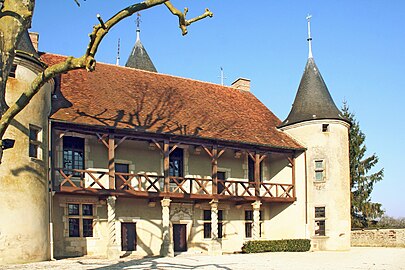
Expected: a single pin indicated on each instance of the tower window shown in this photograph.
(12, 71)
(319, 170)
(35, 142)
(325, 127)
(320, 218)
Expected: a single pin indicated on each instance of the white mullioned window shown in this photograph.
(320, 171)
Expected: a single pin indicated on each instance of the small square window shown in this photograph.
(34, 142)
(12, 71)
(319, 212)
(325, 127)
(319, 170)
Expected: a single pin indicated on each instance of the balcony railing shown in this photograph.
(144, 184)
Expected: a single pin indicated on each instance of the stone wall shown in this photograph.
(378, 238)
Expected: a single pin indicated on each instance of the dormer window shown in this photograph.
(325, 127)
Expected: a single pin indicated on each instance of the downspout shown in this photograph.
(50, 189)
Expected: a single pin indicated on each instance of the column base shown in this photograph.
(113, 252)
(167, 250)
(215, 248)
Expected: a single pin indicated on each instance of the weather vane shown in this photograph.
(138, 20)
(309, 39)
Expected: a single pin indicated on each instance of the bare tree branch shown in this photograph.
(183, 22)
(87, 61)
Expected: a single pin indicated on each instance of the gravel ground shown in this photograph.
(356, 258)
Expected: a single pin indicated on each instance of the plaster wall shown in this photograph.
(23, 179)
(333, 192)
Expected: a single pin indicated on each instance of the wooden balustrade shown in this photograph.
(147, 184)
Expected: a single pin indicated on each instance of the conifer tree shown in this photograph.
(363, 211)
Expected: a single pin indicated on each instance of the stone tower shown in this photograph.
(24, 211)
(317, 123)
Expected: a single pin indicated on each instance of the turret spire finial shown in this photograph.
(309, 39)
(138, 23)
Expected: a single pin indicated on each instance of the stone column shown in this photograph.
(113, 249)
(215, 245)
(256, 220)
(167, 245)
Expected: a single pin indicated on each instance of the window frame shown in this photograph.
(13, 71)
(320, 221)
(207, 229)
(321, 170)
(82, 218)
(249, 224)
(75, 148)
(35, 142)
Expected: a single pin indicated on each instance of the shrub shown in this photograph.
(286, 245)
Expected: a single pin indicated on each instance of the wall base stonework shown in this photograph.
(378, 238)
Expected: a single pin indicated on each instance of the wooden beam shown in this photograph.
(207, 150)
(111, 161)
(174, 147)
(166, 164)
(101, 139)
(158, 145)
(257, 173)
(120, 141)
(214, 174)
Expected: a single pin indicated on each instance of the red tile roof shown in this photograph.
(114, 96)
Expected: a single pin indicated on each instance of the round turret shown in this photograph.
(24, 192)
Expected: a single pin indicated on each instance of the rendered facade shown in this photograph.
(151, 164)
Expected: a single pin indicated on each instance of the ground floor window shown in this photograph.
(207, 223)
(320, 218)
(249, 224)
(80, 218)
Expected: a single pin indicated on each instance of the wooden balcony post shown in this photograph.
(257, 174)
(111, 161)
(214, 163)
(166, 164)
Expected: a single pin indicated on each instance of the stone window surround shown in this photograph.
(320, 219)
(323, 170)
(38, 142)
(65, 219)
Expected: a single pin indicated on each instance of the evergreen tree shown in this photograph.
(363, 211)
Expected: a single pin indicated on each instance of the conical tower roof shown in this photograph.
(139, 58)
(313, 100)
(25, 45)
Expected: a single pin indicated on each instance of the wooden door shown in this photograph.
(128, 236)
(221, 176)
(180, 237)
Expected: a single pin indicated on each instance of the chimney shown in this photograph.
(241, 84)
(34, 39)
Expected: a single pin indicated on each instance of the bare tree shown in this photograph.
(16, 17)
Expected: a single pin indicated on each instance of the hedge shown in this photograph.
(287, 245)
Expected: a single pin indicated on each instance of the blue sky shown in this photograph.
(359, 47)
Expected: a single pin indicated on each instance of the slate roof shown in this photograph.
(25, 45)
(139, 58)
(125, 98)
(313, 100)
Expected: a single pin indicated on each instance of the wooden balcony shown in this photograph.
(150, 185)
